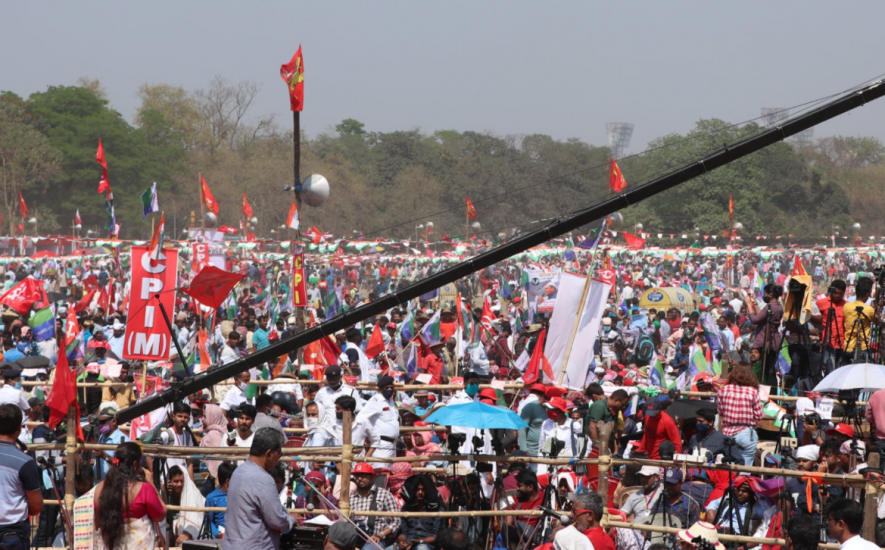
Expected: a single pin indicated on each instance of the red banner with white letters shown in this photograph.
(199, 257)
(147, 336)
(299, 285)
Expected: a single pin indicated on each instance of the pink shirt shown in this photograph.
(876, 412)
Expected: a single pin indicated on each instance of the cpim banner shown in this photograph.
(299, 287)
(147, 336)
(200, 257)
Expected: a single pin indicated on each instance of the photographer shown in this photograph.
(858, 317)
(255, 518)
(812, 430)
(832, 321)
(766, 334)
(561, 432)
(607, 410)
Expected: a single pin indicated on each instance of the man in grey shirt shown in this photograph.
(255, 518)
(264, 404)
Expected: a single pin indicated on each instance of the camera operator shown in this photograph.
(813, 430)
(858, 317)
(255, 518)
(767, 320)
(561, 431)
(832, 321)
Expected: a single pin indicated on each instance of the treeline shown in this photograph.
(381, 182)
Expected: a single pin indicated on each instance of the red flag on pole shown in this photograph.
(206, 196)
(63, 395)
(537, 362)
(83, 304)
(293, 75)
(376, 343)
(798, 268)
(157, 239)
(633, 241)
(731, 209)
(247, 208)
(77, 219)
(211, 286)
(292, 220)
(616, 180)
(103, 183)
(22, 206)
(471, 211)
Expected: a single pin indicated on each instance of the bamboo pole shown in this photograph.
(605, 432)
(870, 503)
(571, 341)
(346, 461)
(72, 461)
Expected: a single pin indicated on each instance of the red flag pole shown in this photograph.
(296, 168)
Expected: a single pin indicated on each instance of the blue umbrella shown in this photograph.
(477, 415)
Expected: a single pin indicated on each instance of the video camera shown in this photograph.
(455, 441)
(556, 447)
(812, 419)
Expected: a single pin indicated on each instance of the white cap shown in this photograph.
(650, 471)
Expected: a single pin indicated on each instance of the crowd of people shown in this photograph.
(740, 338)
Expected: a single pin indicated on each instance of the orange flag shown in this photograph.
(616, 180)
(247, 208)
(471, 211)
(293, 75)
(22, 206)
(157, 239)
(292, 219)
(206, 196)
(103, 183)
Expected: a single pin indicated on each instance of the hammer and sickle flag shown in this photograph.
(293, 75)
(616, 180)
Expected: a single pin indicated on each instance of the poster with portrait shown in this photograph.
(542, 288)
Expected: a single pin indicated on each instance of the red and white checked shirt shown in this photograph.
(739, 407)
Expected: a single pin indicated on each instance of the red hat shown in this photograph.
(363, 468)
(843, 429)
(538, 387)
(555, 391)
(516, 299)
(629, 382)
(557, 403)
(702, 307)
(489, 393)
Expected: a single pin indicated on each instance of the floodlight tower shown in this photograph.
(619, 134)
(771, 116)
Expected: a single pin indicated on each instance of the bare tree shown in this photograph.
(224, 107)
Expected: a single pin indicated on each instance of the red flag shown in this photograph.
(211, 286)
(90, 282)
(488, 316)
(247, 208)
(730, 209)
(376, 343)
(63, 395)
(103, 184)
(330, 351)
(445, 239)
(471, 211)
(103, 299)
(227, 230)
(293, 75)
(315, 234)
(633, 241)
(206, 196)
(22, 206)
(616, 180)
(798, 268)
(537, 362)
(83, 304)
(23, 295)
(77, 219)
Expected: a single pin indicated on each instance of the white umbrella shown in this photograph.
(862, 376)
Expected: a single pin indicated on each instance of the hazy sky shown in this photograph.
(561, 68)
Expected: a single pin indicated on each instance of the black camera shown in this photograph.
(795, 286)
(556, 447)
(482, 467)
(455, 441)
(812, 419)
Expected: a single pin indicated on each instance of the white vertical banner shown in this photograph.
(562, 322)
(586, 335)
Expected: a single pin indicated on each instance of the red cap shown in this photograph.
(843, 429)
(489, 393)
(363, 468)
(538, 387)
(629, 382)
(702, 307)
(557, 403)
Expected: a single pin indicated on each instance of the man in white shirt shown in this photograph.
(242, 436)
(844, 522)
(561, 430)
(11, 392)
(229, 352)
(639, 504)
(237, 394)
(381, 418)
(334, 389)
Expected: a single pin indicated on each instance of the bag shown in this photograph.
(645, 349)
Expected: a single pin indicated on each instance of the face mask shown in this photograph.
(335, 386)
(18, 385)
(607, 329)
(311, 422)
(104, 429)
(242, 386)
(551, 415)
(703, 428)
(387, 393)
(339, 416)
(471, 389)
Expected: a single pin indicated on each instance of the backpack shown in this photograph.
(645, 349)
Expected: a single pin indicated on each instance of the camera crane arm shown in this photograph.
(566, 223)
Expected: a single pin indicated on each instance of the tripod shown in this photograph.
(728, 504)
(859, 334)
(851, 414)
(785, 432)
(663, 503)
